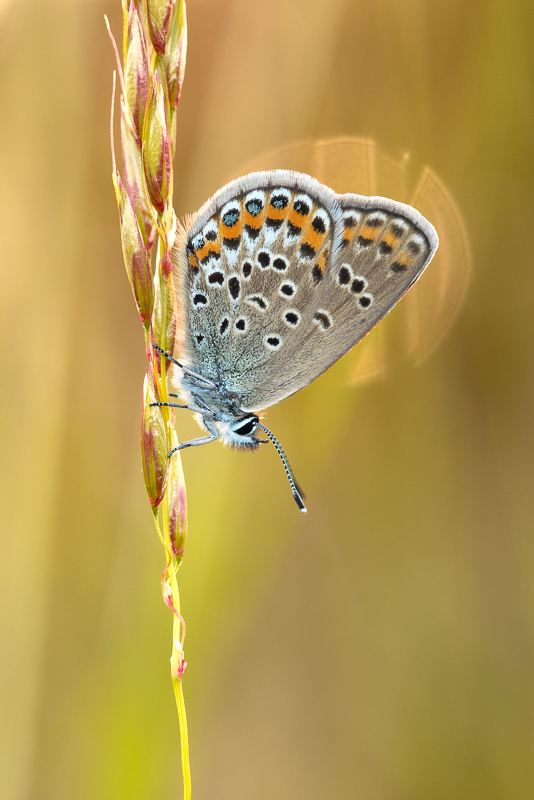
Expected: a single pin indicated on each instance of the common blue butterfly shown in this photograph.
(278, 277)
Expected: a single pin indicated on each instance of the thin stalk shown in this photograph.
(150, 81)
(177, 659)
(180, 705)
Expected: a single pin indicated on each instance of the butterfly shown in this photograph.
(278, 277)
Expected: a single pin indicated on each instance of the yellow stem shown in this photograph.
(177, 657)
(180, 705)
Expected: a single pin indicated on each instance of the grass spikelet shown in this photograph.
(154, 50)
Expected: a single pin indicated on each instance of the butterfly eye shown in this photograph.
(246, 426)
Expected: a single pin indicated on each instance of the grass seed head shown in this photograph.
(137, 78)
(134, 181)
(157, 147)
(136, 256)
(154, 446)
(164, 317)
(175, 53)
(159, 14)
(175, 508)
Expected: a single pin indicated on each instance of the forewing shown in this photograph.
(257, 248)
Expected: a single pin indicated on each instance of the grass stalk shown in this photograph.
(150, 77)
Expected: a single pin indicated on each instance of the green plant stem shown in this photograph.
(184, 739)
(178, 633)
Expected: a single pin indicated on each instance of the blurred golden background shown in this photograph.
(382, 646)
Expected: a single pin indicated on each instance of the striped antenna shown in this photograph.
(298, 494)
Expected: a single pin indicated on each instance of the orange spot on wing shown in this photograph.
(257, 221)
(231, 231)
(276, 213)
(313, 238)
(404, 260)
(368, 233)
(298, 220)
(203, 251)
(390, 239)
(321, 262)
(348, 233)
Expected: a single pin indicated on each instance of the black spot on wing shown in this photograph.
(318, 225)
(230, 217)
(232, 244)
(397, 230)
(293, 230)
(344, 276)
(258, 300)
(274, 223)
(264, 259)
(279, 201)
(307, 251)
(291, 318)
(234, 287)
(301, 207)
(254, 206)
(317, 273)
(357, 286)
(323, 319)
(287, 290)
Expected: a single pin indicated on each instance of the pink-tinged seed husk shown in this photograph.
(136, 255)
(166, 262)
(178, 663)
(136, 72)
(175, 504)
(175, 53)
(164, 317)
(166, 591)
(154, 446)
(159, 13)
(134, 183)
(157, 148)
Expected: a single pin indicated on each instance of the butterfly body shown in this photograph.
(279, 277)
(219, 411)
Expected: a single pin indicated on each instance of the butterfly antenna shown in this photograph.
(298, 494)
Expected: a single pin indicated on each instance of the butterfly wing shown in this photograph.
(280, 277)
(239, 263)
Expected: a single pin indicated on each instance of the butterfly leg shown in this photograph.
(193, 443)
(168, 356)
(169, 405)
(204, 411)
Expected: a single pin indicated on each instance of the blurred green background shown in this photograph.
(382, 646)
